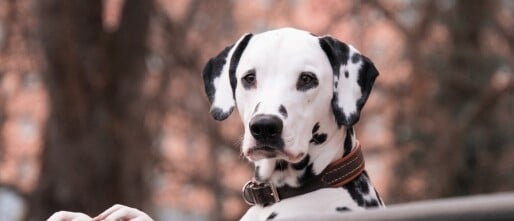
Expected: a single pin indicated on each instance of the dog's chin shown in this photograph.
(267, 152)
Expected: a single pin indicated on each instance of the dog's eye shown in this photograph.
(249, 79)
(307, 80)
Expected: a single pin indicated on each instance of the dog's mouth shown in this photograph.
(260, 152)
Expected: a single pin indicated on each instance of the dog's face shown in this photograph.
(284, 85)
(284, 82)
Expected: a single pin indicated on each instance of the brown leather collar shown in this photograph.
(337, 174)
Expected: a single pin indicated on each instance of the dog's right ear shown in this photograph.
(354, 76)
(219, 78)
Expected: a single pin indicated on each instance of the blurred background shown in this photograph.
(102, 102)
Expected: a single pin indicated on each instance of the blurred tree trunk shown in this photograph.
(2, 119)
(6, 28)
(97, 148)
(457, 140)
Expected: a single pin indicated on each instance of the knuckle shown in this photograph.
(57, 216)
(60, 214)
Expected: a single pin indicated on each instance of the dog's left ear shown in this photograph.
(354, 75)
(219, 78)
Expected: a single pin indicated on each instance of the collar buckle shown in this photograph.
(260, 193)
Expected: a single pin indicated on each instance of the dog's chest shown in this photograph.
(323, 201)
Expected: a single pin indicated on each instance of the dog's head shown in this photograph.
(284, 83)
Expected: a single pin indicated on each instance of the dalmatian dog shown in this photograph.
(298, 96)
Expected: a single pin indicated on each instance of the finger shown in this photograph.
(125, 213)
(82, 217)
(142, 218)
(66, 216)
(107, 212)
(58, 216)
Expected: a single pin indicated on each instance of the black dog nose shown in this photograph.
(266, 127)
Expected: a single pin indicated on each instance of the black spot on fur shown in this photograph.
(372, 203)
(212, 70)
(363, 182)
(302, 164)
(367, 75)
(219, 114)
(358, 188)
(350, 131)
(337, 52)
(318, 138)
(281, 165)
(346, 74)
(282, 111)
(272, 216)
(307, 175)
(343, 209)
(355, 58)
(256, 107)
(315, 128)
(234, 61)
(348, 141)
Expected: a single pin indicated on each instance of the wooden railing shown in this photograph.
(494, 207)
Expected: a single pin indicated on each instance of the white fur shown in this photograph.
(322, 201)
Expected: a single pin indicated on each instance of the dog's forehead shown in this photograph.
(284, 36)
(281, 47)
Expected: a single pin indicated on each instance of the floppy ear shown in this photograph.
(354, 75)
(219, 78)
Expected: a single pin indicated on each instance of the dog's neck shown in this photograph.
(338, 143)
